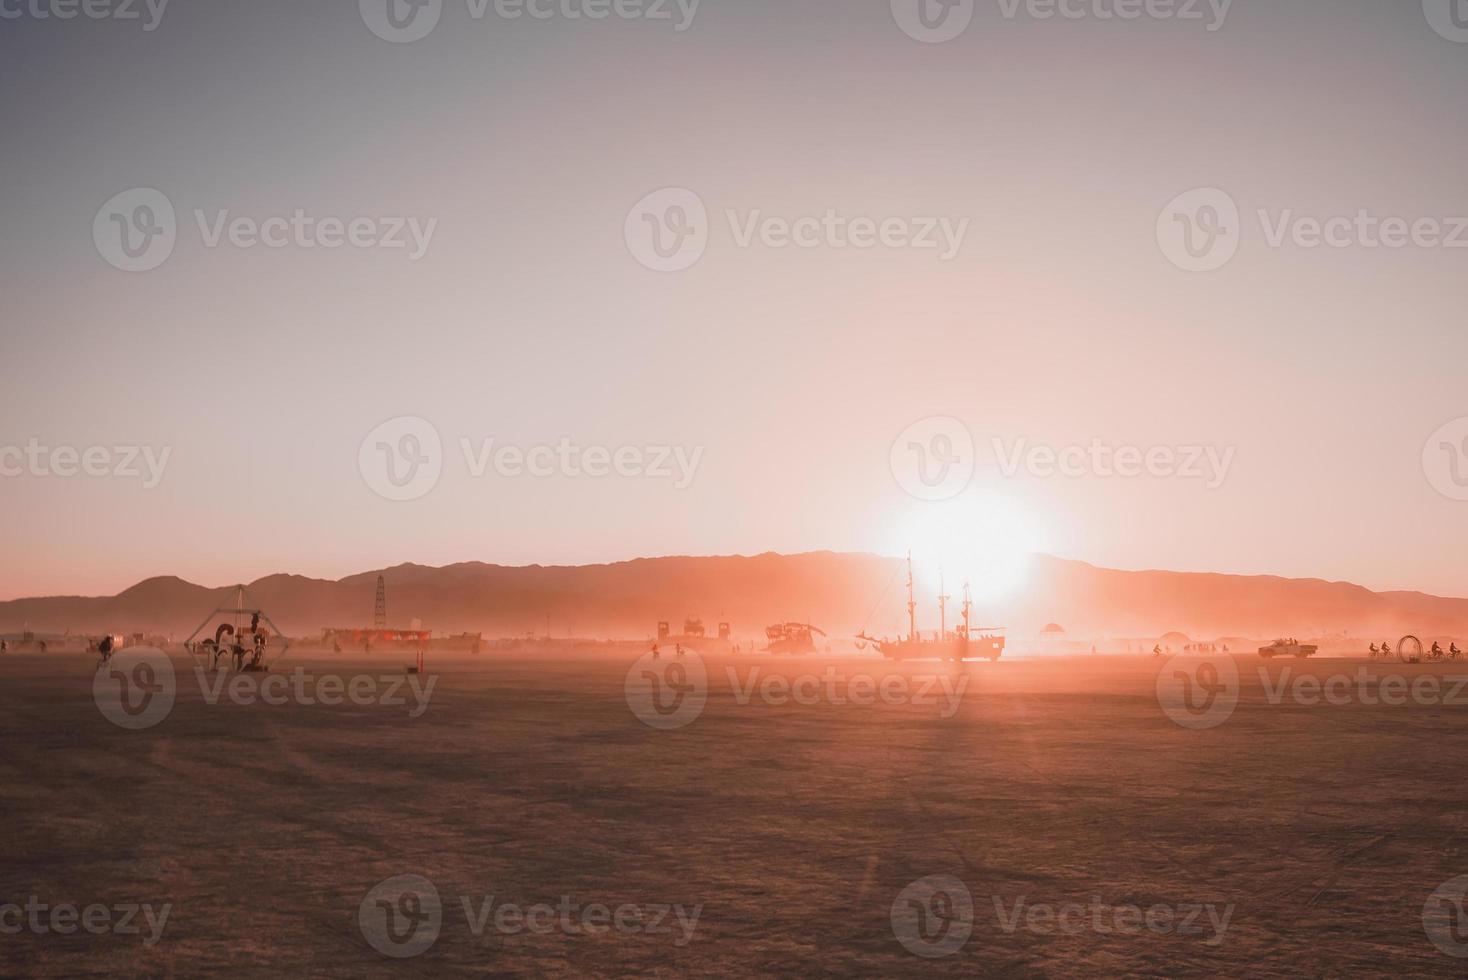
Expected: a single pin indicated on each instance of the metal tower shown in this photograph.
(379, 615)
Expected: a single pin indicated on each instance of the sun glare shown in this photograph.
(985, 540)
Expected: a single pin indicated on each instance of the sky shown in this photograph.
(579, 237)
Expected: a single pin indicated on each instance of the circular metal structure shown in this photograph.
(1409, 650)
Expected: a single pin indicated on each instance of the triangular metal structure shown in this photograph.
(243, 614)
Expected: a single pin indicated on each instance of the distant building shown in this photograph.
(356, 636)
(1052, 639)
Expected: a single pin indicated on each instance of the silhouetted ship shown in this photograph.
(965, 642)
(792, 638)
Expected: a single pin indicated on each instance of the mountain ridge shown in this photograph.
(841, 592)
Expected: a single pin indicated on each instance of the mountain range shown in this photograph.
(841, 593)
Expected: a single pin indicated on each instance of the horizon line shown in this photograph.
(747, 557)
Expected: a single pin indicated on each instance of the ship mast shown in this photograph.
(967, 609)
(942, 608)
(911, 604)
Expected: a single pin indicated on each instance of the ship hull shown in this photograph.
(985, 648)
(790, 646)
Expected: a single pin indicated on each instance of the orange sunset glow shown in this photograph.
(601, 488)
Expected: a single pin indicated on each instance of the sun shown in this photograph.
(984, 539)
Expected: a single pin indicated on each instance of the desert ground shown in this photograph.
(792, 826)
